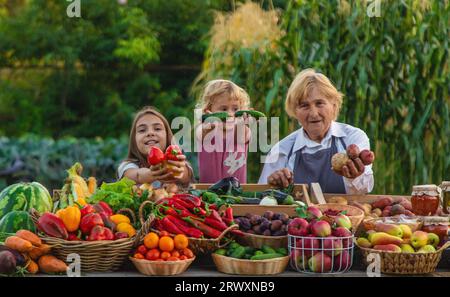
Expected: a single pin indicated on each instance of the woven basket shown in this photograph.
(406, 263)
(370, 224)
(197, 245)
(103, 255)
(355, 214)
(257, 241)
(230, 265)
(162, 268)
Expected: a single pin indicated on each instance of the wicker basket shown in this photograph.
(162, 268)
(257, 241)
(355, 214)
(103, 255)
(230, 265)
(197, 245)
(415, 225)
(406, 263)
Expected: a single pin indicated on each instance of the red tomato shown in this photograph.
(152, 254)
(142, 249)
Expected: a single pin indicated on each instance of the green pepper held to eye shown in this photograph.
(253, 113)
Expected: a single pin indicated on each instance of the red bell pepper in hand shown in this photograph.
(155, 156)
(89, 221)
(100, 233)
(102, 206)
(172, 152)
(87, 209)
(184, 227)
(52, 225)
(207, 230)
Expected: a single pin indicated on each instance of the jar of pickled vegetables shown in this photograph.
(425, 199)
(445, 187)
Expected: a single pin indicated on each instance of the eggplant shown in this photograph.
(7, 262)
(227, 186)
(20, 259)
(279, 195)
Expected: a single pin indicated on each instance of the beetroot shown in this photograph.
(7, 263)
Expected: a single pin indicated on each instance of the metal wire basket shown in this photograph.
(330, 255)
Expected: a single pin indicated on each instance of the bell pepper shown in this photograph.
(127, 228)
(100, 233)
(87, 209)
(172, 152)
(107, 222)
(120, 235)
(155, 156)
(102, 206)
(119, 218)
(73, 237)
(71, 217)
(89, 221)
(52, 225)
(207, 230)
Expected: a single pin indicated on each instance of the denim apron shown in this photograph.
(316, 168)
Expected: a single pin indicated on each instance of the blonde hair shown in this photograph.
(134, 155)
(218, 87)
(302, 87)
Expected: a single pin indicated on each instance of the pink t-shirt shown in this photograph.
(226, 158)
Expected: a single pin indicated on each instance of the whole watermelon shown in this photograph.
(15, 221)
(24, 196)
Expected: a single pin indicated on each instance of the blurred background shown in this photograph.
(69, 87)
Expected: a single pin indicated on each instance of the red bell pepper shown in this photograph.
(107, 221)
(172, 152)
(52, 225)
(120, 235)
(170, 227)
(184, 227)
(87, 209)
(89, 221)
(100, 233)
(102, 206)
(73, 237)
(155, 156)
(207, 230)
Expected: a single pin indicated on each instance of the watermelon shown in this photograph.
(24, 196)
(15, 221)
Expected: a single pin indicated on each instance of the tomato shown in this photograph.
(175, 254)
(172, 259)
(138, 256)
(165, 255)
(188, 253)
(152, 254)
(183, 257)
(151, 240)
(166, 244)
(181, 241)
(142, 249)
(160, 259)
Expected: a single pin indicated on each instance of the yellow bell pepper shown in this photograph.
(119, 218)
(71, 217)
(127, 228)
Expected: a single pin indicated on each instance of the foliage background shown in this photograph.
(74, 84)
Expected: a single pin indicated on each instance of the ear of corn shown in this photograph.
(76, 178)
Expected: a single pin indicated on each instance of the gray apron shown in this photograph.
(316, 168)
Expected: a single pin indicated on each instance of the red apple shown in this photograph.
(342, 261)
(320, 262)
(321, 229)
(307, 246)
(299, 259)
(313, 212)
(298, 227)
(343, 232)
(332, 246)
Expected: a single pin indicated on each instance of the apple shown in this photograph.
(342, 261)
(406, 248)
(307, 246)
(343, 221)
(332, 246)
(321, 229)
(298, 227)
(433, 239)
(313, 212)
(343, 232)
(427, 249)
(299, 260)
(419, 239)
(320, 262)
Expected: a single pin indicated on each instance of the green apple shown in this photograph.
(419, 239)
(406, 248)
(427, 249)
(433, 239)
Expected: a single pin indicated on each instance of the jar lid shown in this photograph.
(445, 185)
(430, 190)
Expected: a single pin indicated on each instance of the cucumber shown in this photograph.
(238, 253)
(221, 252)
(282, 251)
(249, 250)
(266, 256)
(234, 245)
(253, 113)
(258, 252)
(268, 250)
(220, 115)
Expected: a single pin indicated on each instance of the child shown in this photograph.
(150, 128)
(223, 150)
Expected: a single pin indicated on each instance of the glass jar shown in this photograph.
(425, 199)
(445, 187)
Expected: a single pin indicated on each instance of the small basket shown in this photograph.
(103, 255)
(405, 263)
(415, 223)
(161, 268)
(257, 241)
(197, 245)
(338, 258)
(230, 265)
(355, 214)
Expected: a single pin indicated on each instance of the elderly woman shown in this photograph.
(304, 156)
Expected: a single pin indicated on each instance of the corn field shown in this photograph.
(393, 69)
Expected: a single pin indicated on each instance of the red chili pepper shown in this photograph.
(215, 224)
(215, 215)
(207, 230)
(188, 198)
(182, 203)
(170, 227)
(183, 226)
(229, 213)
(237, 232)
(199, 211)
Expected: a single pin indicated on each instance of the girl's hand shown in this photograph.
(281, 178)
(178, 170)
(352, 169)
(160, 173)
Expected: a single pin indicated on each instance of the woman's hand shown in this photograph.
(281, 178)
(160, 173)
(178, 170)
(352, 169)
